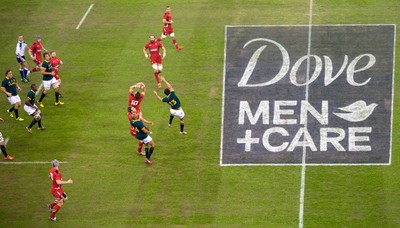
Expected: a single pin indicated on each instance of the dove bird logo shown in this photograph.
(356, 112)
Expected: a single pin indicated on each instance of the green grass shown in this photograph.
(185, 186)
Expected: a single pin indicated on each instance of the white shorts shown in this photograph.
(178, 113)
(164, 36)
(1, 137)
(49, 83)
(14, 99)
(29, 109)
(57, 83)
(157, 67)
(147, 139)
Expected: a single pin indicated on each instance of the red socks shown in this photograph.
(175, 43)
(140, 146)
(157, 78)
(56, 208)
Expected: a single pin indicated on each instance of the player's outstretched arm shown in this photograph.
(69, 181)
(158, 97)
(166, 83)
(146, 121)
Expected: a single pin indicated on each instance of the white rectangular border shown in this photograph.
(308, 164)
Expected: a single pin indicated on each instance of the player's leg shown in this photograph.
(157, 71)
(181, 114)
(21, 68)
(177, 47)
(57, 204)
(56, 87)
(163, 35)
(11, 110)
(46, 89)
(59, 86)
(37, 65)
(151, 149)
(26, 70)
(54, 209)
(16, 100)
(140, 146)
(182, 124)
(3, 149)
(171, 117)
(148, 141)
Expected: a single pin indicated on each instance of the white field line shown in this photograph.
(28, 162)
(84, 16)
(6, 141)
(223, 100)
(39, 89)
(303, 167)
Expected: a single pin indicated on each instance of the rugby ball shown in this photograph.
(140, 85)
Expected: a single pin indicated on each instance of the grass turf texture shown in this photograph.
(185, 186)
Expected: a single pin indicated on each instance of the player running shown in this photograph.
(35, 51)
(56, 189)
(10, 87)
(48, 81)
(155, 56)
(56, 63)
(167, 29)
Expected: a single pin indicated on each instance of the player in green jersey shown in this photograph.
(49, 80)
(173, 100)
(142, 134)
(32, 110)
(10, 87)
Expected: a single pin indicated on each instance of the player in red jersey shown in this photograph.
(35, 51)
(155, 56)
(167, 29)
(56, 190)
(135, 98)
(56, 63)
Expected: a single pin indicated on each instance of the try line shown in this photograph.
(84, 16)
(27, 162)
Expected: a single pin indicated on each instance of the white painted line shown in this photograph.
(303, 162)
(391, 118)
(315, 25)
(6, 141)
(313, 164)
(84, 16)
(223, 101)
(39, 89)
(27, 163)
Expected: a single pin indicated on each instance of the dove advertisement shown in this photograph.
(326, 91)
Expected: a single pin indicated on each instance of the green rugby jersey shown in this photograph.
(10, 84)
(49, 69)
(172, 100)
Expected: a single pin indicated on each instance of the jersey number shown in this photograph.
(172, 102)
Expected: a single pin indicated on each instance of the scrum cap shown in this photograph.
(55, 163)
